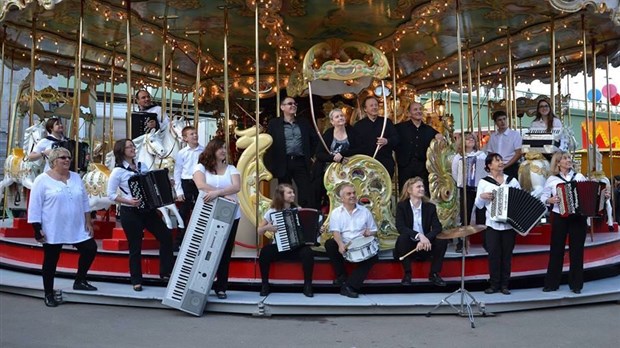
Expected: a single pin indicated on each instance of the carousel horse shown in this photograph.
(533, 173)
(16, 167)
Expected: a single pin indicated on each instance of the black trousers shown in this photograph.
(404, 244)
(513, 170)
(500, 245)
(221, 283)
(190, 191)
(359, 274)
(413, 169)
(51, 254)
(134, 222)
(575, 227)
(297, 170)
(269, 253)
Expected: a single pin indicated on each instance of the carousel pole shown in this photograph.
(278, 83)
(111, 138)
(611, 150)
(552, 63)
(163, 63)
(509, 84)
(128, 80)
(105, 99)
(2, 76)
(257, 108)
(163, 91)
(32, 71)
(394, 93)
(594, 145)
(478, 108)
(470, 97)
(227, 92)
(11, 119)
(570, 119)
(77, 88)
(585, 88)
(197, 84)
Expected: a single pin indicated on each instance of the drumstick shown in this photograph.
(417, 248)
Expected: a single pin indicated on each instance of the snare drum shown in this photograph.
(361, 249)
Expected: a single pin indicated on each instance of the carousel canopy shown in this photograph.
(419, 37)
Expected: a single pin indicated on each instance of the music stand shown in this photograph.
(465, 307)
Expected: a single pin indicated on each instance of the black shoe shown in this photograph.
(308, 290)
(339, 281)
(505, 291)
(548, 289)
(221, 295)
(436, 279)
(83, 285)
(406, 280)
(576, 291)
(347, 291)
(264, 290)
(459, 246)
(50, 300)
(137, 287)
(490, 290)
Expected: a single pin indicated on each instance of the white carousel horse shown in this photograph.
(16, 169)
(533, 173)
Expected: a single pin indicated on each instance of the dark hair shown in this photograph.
(490, 157)
(278, 198)
(187, 129)
(207, 157)
(141, 90)
(49, 125)
(497, 114)
(119, 151)
(285, 98)
(366, 99)
(550, 117)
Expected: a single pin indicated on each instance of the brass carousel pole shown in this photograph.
(611, 150)
(105, 104)
(278, 83)
(227, 92)
(568, 114)
(196, 111)
(585, 88)
(163, 92)
(163, 63)
(111, 138)
(128, 80)
(2, 77)
(509, 84)
(257, 113)
(12, 121)
(77, 88)
(552, 63)
(32, 71)
(594, 145)
(395, 94)
(478, 107)
(470, 97)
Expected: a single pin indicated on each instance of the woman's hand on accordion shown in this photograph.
(553, 200)
(487, 196)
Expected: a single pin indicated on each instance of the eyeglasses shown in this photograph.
(290, 104)
(64, 157)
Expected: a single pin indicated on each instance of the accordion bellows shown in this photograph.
(517, 208)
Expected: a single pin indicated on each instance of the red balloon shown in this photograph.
(615, 100)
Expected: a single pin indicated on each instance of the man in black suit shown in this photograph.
(288, 158)
(418, 225)
(415, 138)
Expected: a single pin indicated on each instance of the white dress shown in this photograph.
(60, 209)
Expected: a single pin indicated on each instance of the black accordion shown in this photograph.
(518, 208)
(581, 197)
(291, 234)
(82, 155)
(153, 189)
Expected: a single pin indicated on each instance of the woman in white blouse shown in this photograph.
(59, 214)
(546, 121)
(574, 225)
(135, 220)
(219, 179)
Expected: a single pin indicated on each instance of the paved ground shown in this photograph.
(26, 322)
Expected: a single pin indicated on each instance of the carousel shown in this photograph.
(234, 61)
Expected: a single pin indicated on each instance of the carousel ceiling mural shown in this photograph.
(419, 38)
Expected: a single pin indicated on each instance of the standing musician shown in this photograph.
(145, 104)
(135, 220)
(284, 198)
(184, 186)
(574, 225)
(219, 179)
(43, 148)
(58, 212)
(418, 226)
(347, 222)
(506, 142)
(500, 237)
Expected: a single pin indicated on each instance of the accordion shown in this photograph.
(581, 197)
(541, 141)
(518, 208)
(69, 144)
(153, 189)
(290, 233)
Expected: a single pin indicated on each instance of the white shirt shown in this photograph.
(477, 171)
(184, 165)
(551, 184)
(60, 208)
(417, 218)
(505, 144)
(351, 225)
(556, 130)
(486, 187)
(44, 145)
(119, 180)
(220, 181)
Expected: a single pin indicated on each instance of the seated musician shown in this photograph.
(546, 121)
(145, 104)
(42, 149)
(418, 226)
(347, 222)
(500, 237)
(284, 198)
(217, 178)
(574, 225)
(134, 220)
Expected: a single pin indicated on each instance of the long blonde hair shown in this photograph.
(404, 195)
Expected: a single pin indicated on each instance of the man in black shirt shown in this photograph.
(369, 131)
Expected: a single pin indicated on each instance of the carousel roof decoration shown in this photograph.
(420, 34)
